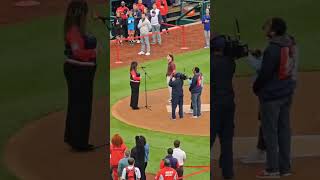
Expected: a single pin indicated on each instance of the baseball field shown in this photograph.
(301, 17)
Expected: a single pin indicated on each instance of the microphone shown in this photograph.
(143, 67)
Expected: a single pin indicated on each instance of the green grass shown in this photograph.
(197, 148)
(301, 16)
(31, 76)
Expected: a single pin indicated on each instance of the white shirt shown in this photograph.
(137, 171)
(154, 17)
(180, 155)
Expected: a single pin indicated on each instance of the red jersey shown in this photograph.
(162, 5)
(116, 154)
(167, 173)
(134, 76)
(123, 11)
(75, 40)
(140, 7)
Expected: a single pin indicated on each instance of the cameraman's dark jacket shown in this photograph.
(222, 71)
(196, 86)
(177, 87)
(275, 79)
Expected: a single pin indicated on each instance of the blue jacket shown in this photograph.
(206, 25)
(196, 84)
(276, 76)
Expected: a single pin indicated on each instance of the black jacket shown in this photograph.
(177, 87)
(195, 86)
(275, 79)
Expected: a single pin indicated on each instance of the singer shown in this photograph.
(134, 84)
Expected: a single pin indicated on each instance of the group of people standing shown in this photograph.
(274, 85)
(131, 164)
(135, 24)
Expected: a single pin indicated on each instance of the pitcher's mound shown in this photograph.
(159, 119)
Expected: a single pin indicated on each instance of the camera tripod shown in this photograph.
(145, 88)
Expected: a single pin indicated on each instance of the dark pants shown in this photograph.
(196, 103)
(180, 172)
(261, 145)
(80, 89)
(134, 94)
(177, 101)
(275, 118)
(141, 167)
(163, 26)
(222, 125)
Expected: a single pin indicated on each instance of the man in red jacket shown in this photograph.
(162, 5)
(167, 173)
(123, 11)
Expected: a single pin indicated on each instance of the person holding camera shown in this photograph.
(176, 83)
(134, 84)
(222, 103)
(196, 89)
(275, 86)
(155, 24)
(79, 72)
(144, 26)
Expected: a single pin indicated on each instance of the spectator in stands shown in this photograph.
(123, 163)
(196, 89)
(140, 6)
(117, 149)
(123, 10)
(131, 28)
(155, 24)
(131, 172)
(117, 25)
(206, 25)
(146, 11)
(147, 150)
(180, 155)
(163, 7)
(138, 153)
(137, 16)
(167, 173)
(145, 27)
(173, 161)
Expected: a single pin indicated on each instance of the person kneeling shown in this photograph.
(177, 95)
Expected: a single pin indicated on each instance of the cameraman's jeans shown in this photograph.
(196, 103)
(145, 44)
(207, 38)
(222, 125)
(177, 100)
(275, 118)
(156, 34)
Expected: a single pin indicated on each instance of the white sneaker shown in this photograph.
(190, 111)
(147, 54)
(194, 117)
(141, 53)
(257, 156)
(206, 47)
(138, 42)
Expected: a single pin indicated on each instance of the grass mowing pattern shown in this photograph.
(197, 148)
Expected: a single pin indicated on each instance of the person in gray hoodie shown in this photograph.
(145, 27)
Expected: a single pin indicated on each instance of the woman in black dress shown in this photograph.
(134, 84)
(79, 71)
(138, 154)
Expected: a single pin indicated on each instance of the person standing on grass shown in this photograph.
(176, 83)
(117, 151)
(79, 71)
(123, 163)
(167, 172)
(196, 89)
(163, 7)
(138, 153)
(131, 172)
(145, 27)
(275, 86)
(131, 28)
(181, 156)
(171, 70)
(173, 161)
(137, 16)
(146, 150)
(206, 25)
(134, 84)
(155, 24)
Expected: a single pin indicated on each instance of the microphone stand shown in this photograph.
(145, 88)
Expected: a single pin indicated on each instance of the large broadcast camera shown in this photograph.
(235, 48)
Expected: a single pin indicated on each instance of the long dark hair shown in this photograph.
(76, 16)
(133, 66)
(140, 150)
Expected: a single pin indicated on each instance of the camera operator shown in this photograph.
(222, 103)
(275, 86)
(176, 83)
(196, 89)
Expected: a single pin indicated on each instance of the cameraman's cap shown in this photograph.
(218, 42)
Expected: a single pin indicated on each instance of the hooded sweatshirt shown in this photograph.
(144, 26)
(277, 76)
